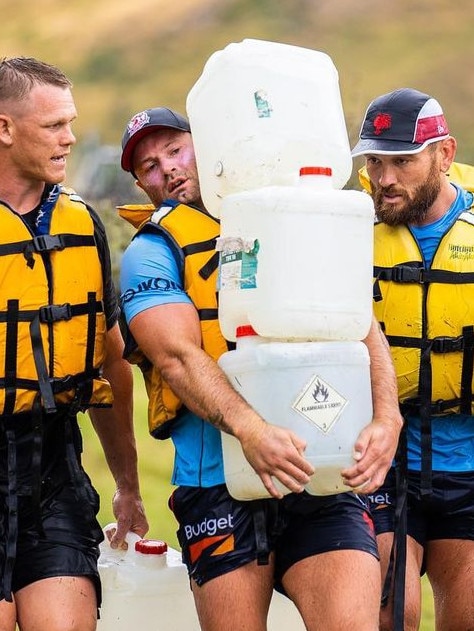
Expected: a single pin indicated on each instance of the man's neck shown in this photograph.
(22, 198)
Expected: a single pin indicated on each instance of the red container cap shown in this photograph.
(151, 546)
(244, 330)
(315, 171)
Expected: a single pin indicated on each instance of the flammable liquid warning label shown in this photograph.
(320, 403)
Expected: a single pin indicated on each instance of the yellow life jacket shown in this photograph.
(462, 174)
(428, 315)
(52, 321)
(192, 235)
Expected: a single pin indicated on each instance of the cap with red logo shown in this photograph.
(401, 122)
(144, 123)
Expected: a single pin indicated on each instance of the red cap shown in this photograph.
(244, 330)
(151, 546)
(315, 171)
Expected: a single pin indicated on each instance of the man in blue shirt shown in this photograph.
(235, 551)
(424, 300)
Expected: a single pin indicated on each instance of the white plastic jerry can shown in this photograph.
(261, 109)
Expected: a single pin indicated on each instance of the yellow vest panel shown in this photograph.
(52, 321)
(193, 233)
(430, 313)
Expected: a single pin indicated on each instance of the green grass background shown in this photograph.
(155, 462)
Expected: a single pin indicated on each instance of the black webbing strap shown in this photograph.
(43, 243)
(48, 314)
(400, 536)
(12, 524)
(36, 455)
(396, 571)
(259, 514)
(424, 392)
(415, 273)
(207, 314)
(204, 246)
(46, 390)
(11, 345)
(82, 488)
(201, 246)
(53, 313)
(46, 243)
(86, 390)
(423, 405)
(212, 264)
(467, 370)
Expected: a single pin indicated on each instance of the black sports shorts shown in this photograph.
(65, 548)
(218, 534)
(448, 513)
(57, 533)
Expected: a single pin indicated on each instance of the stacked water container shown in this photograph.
(295, 271)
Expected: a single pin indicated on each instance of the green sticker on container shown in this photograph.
(264, 108)
(238, 269)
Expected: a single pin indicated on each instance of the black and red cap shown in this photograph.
(144, 123)
(401, 122)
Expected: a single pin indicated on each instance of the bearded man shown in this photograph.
(424, 301)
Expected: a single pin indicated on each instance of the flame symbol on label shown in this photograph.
(320, 393)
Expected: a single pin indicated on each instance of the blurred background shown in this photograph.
(126, 56)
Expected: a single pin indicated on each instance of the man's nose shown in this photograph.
(386, 176)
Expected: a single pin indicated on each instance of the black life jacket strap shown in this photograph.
(260, 513)
(82, 487)
(37, 450)
(414, 272)
(467, 370)
(54, 313)
(12, 520)
(212, 264)
(396, 572)
(11, 346)
(41, 367)
(201, 246)
(46, 385)
(46, 243)
(86, 390)
(207, 314)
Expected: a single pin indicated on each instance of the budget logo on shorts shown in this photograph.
(379, 500)
(212, 543)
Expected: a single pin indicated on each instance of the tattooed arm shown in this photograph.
(170, 336)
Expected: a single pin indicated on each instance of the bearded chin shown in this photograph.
(412, 209)
(406, 213)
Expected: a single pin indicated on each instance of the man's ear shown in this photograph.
(5, 130)
(448, 153)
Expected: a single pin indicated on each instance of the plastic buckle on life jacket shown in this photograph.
(54, 313)
(63, 384)
(405, 274)
(48, 242)
(443, 344)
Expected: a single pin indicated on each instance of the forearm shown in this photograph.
(170, 337)
(383, 377)
(114, 427)
(205, 390)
